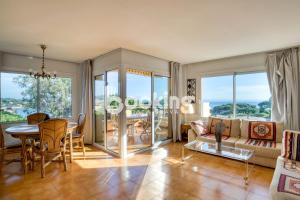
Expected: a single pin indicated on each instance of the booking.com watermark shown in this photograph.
(114, 104)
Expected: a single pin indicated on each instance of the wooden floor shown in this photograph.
(151, 175)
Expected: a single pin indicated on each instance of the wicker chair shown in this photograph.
(36, 118)
(78, 136)
(52, 142)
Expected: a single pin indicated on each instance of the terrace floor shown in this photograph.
(152, 175)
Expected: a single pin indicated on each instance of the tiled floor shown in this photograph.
(151, 175)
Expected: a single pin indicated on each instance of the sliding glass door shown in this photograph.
(145, 110)
(138, 111)
(160, 108)
(99, 109)
(112, 119)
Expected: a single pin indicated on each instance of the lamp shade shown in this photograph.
(187, 109)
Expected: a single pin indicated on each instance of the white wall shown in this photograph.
(127, 58)
(244, 63)
(20, 63)
(133, 59)
(108, 61)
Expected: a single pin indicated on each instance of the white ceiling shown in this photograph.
(181, 30)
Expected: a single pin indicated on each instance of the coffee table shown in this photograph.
(226, 152)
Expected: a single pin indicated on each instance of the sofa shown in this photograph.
(286, 179)
(264, 138)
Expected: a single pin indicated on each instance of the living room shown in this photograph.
(149, 100)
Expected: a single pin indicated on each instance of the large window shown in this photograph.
(217, 95)
(239, 95)
(22, 95)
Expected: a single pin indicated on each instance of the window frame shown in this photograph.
(38, 91)
(233, 74)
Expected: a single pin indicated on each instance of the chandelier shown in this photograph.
(43, 74)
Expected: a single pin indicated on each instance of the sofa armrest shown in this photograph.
(191, 135)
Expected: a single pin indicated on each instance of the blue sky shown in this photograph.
(249, 87)
(8, 88)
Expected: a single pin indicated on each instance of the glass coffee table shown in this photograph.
(226, 152)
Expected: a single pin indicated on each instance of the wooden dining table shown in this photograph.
(26, 131)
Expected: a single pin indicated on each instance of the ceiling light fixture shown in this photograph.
(43, 74)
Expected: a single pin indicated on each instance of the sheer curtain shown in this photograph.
(87, 100)
(283, 75)
(176, 82)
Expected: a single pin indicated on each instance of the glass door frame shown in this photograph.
(94, 118)
(122, 133)
(105, 146)
(169, 116)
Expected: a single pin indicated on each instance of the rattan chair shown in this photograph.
(78, 136)
(52, 142)
(37, 118)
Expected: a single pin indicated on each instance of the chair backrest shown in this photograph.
(291, 145)
(36, 118)
(81, 124)
(52, 134)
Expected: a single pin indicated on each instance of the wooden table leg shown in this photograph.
(24, 153)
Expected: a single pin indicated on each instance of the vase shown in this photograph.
(218, 146)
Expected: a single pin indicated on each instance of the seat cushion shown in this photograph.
(261, 148)
(227, 141)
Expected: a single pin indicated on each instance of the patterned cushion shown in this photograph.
(199, 127)
(291, 145)
(245, 129)
(235, 130)
(289, 184)
(262, 130)
(225, 122)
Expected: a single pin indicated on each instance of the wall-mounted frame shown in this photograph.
(191, 88)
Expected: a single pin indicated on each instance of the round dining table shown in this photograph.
(26, 131)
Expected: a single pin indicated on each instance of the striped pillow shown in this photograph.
(291, 145)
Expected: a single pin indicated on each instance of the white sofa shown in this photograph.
(266, 152)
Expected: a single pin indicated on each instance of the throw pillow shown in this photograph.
(199, 127)
(262, 130)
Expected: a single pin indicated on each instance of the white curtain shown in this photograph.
(283, 75)
(176, 82)
(87, 100)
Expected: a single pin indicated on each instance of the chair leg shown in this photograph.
(64, 160)
(33, 160)
(83, 149)
(42, 165)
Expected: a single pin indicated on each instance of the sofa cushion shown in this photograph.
(200, 127)
(232, 126)
(261, 148)
(226, 140)
(283, 182)
(291, 145)
(262, 130)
